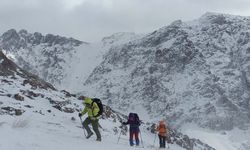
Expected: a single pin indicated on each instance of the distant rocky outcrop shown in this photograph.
(13, 40)
(44, 55)
(9, 68)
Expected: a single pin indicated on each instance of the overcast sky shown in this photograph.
(91, 20)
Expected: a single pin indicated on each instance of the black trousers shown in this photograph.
(162, 141)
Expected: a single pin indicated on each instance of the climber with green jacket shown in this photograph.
(92, 109)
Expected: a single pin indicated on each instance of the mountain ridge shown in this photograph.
(189, 72)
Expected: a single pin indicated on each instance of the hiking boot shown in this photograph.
(89, 135)
(99, 139)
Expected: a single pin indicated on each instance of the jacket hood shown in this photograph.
(87, 101)
(162, 122)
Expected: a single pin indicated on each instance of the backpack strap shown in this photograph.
(92, 104)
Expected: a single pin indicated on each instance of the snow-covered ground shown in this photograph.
(56, 130)
(42, 126)
(39, 129)
(222, 140)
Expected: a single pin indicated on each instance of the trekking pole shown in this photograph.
(82, 126)
(141, 140)
(119, 137)
(154, 139)
(167, 142)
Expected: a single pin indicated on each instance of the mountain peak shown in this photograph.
(10, 35)
(211, 14)
(220, 18)
(11, 31)
(12, 38)
(120, 37)
(213, 18)
(23, 32)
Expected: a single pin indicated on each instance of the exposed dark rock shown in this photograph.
(68, 94)
(12, 111)
(28, 106)
(19, 97)
(38, 83)
(6, 81)
(39, 112)
(68, 110)
(18, 112)
(61, 105)
(73, 118)
(58, 107)
(9, 68)
(31, 94)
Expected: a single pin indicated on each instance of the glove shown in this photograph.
(80, 114)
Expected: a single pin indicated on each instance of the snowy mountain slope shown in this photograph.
(59, 134)
(197, 71)
(120, 38)
(34, 115)
(86, 58)
(11, 70)
(64, 62)
(46, 56)
(235, 139)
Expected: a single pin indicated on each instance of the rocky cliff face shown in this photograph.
(45, 55)
(64, 62)
(196, 71)
(9, 69)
